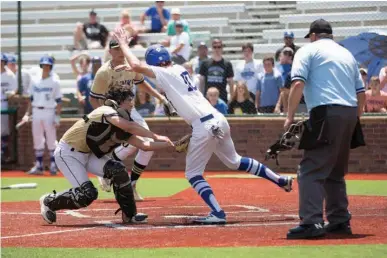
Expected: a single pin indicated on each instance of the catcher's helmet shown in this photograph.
(156, 55)
(4, 58)
(48, 60)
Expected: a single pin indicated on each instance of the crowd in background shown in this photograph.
(249, 87)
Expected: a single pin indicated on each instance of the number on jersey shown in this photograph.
(188, 81)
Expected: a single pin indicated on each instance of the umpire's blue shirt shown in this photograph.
(330, 73)
(84, 85)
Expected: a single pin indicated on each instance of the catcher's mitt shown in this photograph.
(286, 142)
(182, 144)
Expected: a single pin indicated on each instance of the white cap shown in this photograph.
(175, 11)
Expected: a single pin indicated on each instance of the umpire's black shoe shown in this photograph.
(306, 231)
(339, 228)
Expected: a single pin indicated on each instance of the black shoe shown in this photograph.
(339, 228)
(306, 231)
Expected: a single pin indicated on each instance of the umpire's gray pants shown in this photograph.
(322, 170)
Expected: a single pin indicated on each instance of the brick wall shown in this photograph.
(252, 136)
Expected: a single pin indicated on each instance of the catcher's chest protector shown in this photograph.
(102, 137)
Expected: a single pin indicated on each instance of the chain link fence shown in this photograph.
(238, 53)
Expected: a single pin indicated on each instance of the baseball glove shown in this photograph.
(286, 142)
(182, 144)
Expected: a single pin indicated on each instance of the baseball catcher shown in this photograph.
(86, 146)
(286, 142)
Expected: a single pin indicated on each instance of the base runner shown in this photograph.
(210, 129)
(117, 73)
(84, 147)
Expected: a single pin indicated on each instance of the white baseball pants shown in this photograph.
(203, 144)
(74, 165)
(43, 124)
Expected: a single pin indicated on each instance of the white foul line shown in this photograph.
(48, 233)
(76, 214)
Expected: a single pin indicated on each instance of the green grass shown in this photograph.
(339, 251)
(148, 187)
(367, 187)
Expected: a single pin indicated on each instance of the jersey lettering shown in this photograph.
(188, 81)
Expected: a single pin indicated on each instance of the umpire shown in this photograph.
(329, 77)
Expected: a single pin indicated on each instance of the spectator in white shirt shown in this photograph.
(248, 69)
(180, 47)
(202, 55)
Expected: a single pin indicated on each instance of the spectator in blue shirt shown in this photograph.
(85, 83)
(216, 102)
(269, 87)
(159, 17)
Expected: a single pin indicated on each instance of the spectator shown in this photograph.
(143, 103)
(376, 100)
(289, 42)
(92, 34)
(194, 77)
(159, 17)
(249, 69)
(125, 23)
(217, 72)
(180, 48)
(216, 102)
(241, 103)
(26, 76)
(383, 79)
(84, 63)
(284, 67)
(176, 16)
(269, 86)
(364, 77)
(84, 85)
(159, 110)
(202, 56)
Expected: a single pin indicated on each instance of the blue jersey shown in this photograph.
(330, 73)
(84, 87)
(156, 25)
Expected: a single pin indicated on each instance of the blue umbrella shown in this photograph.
(369, 50)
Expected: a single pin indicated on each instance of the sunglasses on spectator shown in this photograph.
(215, 47)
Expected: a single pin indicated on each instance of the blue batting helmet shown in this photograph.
(11, 59)
(4, 58)
(156, 55)
(48, 60)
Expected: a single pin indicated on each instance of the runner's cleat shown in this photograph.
(211, 219)
(287, 182)
(105, 184)
(35, 170)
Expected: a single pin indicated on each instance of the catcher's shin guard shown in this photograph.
(74, 198)
(123, 192)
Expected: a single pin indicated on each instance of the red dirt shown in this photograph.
(179, 174)
(244, 228)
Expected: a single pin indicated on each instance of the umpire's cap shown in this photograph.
(156, 55)
(46, 60)
(319, 26)
(4, 58)
(12, 59)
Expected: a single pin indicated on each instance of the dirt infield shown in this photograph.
(259, 214)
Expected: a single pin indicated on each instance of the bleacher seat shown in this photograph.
(114, 12)
(334, 17)
(337, 31)
(312, 5)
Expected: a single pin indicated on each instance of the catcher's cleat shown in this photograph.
(211, 219)
(48, 215)
(137, 196)
(287, 183)
(139, 218)
(35, 170)
(105, 184)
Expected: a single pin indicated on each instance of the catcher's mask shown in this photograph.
(287, 141)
